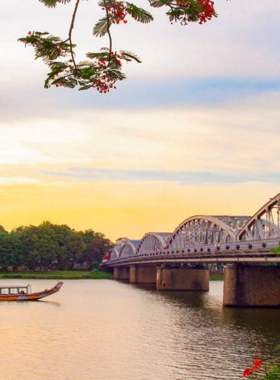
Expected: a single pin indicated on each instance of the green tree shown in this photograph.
(39, 245)
(11, 251)
(71, 246)
(2, 230)
(50, 245)
(101, 70)
(96, 245)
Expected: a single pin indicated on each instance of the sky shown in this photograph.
(193, 130)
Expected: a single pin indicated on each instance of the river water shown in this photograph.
(108, 330)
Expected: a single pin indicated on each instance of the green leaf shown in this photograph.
(115, 74)
(158, 3)
(101, 28)
(128, 56)
(48, 48)
(87, 87)
(86, 73)
(139, 14)
(53, 3)
(49, 3)
(100, 56)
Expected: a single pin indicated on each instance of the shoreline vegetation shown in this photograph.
(94, 274)
(51, 247)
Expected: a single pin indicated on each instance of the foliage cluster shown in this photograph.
(101, 70)
(276, 250)
(260, 371)
(51, 246)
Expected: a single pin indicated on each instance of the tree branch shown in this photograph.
(108, 31)
(70, 33)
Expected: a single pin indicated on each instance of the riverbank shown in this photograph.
(76, 275)
(58, 275)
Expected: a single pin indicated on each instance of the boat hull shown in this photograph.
(31, 296)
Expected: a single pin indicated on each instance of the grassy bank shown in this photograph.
(58, 275)
(76, 275)
(216, 276)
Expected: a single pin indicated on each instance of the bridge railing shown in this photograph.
(233, 249)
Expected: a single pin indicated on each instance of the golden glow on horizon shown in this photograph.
(132, 211)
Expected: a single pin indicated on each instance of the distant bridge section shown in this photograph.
(178, 260)
(124, 248)
(152, 242)
(208, 238)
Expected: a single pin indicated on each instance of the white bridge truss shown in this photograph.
(152, 242)
(206, 233)
(205, 229)
(264, 224)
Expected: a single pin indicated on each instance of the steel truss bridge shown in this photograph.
(206, 239)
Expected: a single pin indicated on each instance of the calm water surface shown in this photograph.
(107, 330)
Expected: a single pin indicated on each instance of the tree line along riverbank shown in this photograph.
(51, 247)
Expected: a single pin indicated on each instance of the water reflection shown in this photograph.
(240, 333)
(49, 302)
(110, 330)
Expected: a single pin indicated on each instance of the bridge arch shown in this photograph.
(127, 249)
(115, 253)
(265, 223)
(152, 242)
(206, 229)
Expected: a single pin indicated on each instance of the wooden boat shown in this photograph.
(23, 293)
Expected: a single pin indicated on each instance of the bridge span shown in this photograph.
(180, 260)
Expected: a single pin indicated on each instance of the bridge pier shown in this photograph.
(195, 279)
(142, 275)
(116, 273)
(124, 273)
(121, 273)
(252, 286)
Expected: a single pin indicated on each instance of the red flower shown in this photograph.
(257, 363)
(247, 372)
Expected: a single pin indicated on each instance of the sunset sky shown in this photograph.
(195, 129)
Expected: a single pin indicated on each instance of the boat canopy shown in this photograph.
(15, 289)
